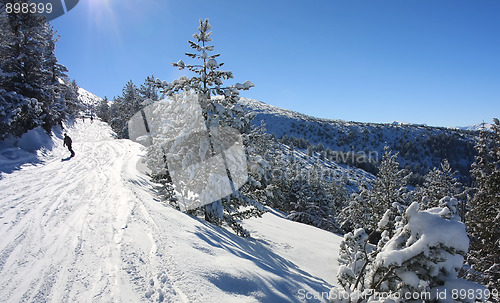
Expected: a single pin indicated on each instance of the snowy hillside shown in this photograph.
(420, 147)
(90, 229)
(88, 98)
(353, 177)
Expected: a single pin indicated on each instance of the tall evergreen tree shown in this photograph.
(484, 214)
(219, 108)
(31, 93)
(69, 92)
(124, 107)
(148, 90)
(20, 78)
(103, 110)
(389, 187)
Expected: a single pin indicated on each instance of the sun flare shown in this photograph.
(103, 17)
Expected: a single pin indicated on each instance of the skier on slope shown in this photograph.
(68, 142)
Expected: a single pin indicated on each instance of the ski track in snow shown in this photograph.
(88, 229)
(63, 240)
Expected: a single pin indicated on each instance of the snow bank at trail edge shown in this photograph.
(90, 229)
(16, 152)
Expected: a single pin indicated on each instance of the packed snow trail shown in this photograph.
(89, 229)
(64, 237)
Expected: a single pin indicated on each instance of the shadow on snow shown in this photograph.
(18, 152)
(283, 281)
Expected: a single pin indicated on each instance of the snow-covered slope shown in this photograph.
(90, 229)
(88, 98)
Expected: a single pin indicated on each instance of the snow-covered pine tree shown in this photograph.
(484, 215)
(219, 108)
(356, 213)
(389, 187)
(440, 182)
(62, 92)
(69, 92)
(282, 168)
(421, 260)
(20, 108)
(310, 202)
(425, 255)
(102, 109)
(124, 107)
(263, 155)
(149, 91)
(30, 90)
(313, 198)
(65, 96)
(354, 254)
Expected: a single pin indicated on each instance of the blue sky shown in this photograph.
(420, 61)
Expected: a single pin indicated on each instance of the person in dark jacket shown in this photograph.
(68, 142)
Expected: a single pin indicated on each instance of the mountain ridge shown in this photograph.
(420, 147)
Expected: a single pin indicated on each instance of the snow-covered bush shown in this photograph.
(422, 259)
(353, 256)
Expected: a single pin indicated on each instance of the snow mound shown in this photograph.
(18, 152)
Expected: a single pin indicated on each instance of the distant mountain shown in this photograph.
(476, 127)
(405, 123)
(420, 147)
(89, 100)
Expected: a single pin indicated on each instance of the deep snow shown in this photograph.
(90, 229)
